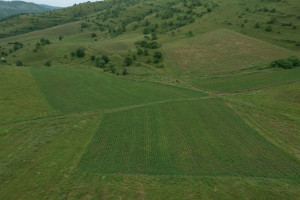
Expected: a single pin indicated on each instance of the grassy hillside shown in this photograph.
(151, 99)
(8, 8)
(20, 96)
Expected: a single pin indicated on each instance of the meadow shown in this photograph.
(247, 81)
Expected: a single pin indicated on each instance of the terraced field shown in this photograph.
(184, 138)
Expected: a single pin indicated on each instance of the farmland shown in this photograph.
(151, 99)
(77, 90)
(247, 81)
(168, 141)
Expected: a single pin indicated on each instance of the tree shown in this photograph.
(48, 63)
(146, 53)
(269, 28)
(139, 51)
(190, 33)
(19, 63)
(157, 57)
(60, 37)
(93, 58)
(124, 72)
(100, 62)
(105, 58)
(128, 61)
(80, 53)
(112, 68)
(94, 35)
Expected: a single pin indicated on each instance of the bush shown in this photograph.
(105, 58)
(139, 51)
(80, 53)
(286, 63)
(19, 63)
(48, 63)
(112, 68)
(157, 57)
(124, 72)
(94, 35)
(100, 62)
(45, 41)
(127, 61)
(93, 58)
(269, 28)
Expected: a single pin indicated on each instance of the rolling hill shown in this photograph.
(8, 8)
(150, 99)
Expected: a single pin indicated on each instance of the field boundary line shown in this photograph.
(104, 111)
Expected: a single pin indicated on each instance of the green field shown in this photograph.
(78, 89)
(248, 81)
(20, 96)
(184, 138)
(150, 100)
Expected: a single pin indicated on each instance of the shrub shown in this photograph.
(94, 35)
(112, 68)
(139, 51)
(80, 53)
(269, 28)
(286, 63)
(19, 63)
(45, 41)
(93, 58)
(48, 63)
(127, 61)
(105, 58)
(60, 37)
(157, 57)
(124, 72)
(100, 62)
(73, 54)
(146, 52)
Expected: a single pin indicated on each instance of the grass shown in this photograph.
(20, 96)
(274, 113)
(247, 81)
(184, 138)
(83, 89)
(217, 52)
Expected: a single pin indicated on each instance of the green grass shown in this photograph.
(184, 138)
(20, 97)
(217, 52)
(247, 81)
(274, 113)
(83, 89)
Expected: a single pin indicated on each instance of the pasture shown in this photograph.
(247, 81)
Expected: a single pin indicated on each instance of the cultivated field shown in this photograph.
(184, 138)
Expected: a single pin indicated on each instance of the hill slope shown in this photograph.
(151, 99)
(8, 8)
